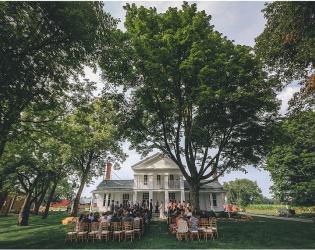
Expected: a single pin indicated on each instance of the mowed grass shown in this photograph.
(260, 233)
(272, 212)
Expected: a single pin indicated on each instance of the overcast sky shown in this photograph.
(241, 21)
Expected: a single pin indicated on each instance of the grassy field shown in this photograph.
(298, 214)
(260, 233)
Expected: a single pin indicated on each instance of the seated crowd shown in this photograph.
(196, 223)
(119, 214)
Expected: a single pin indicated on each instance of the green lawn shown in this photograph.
(259, 233)
(298, 214)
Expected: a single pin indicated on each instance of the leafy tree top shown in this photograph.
(286, 44)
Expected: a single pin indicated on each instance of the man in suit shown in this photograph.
(117, 206)
(151, 207)
(122, 205)
(145, 204)
(136, 205)
(112, 206)
(140, 204)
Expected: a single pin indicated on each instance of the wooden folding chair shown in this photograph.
(193, 230)
(137, 228)
(172, 226)
(214, 226)
(116, 230)
(104, 233)
(128, 230)
(93, 232)
(83, 231)
(182, 230)
(71, 232)
(206, 230)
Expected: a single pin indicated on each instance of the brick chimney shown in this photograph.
(108, 172)
(214, 175)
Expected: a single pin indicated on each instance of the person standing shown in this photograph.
(112, 206)
(151, 208)
(162, 215)
(156, 207)
(117, 206)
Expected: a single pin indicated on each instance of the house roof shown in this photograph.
(115, 185)
(212, 186)
(127, 186)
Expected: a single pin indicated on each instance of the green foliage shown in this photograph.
(286, 44)
(291, 162)
(43, 45)
(194, 95)
(212, 214)
(242, 191)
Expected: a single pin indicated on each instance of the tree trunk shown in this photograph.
(78, 196)
(3, 196)
(45, 214)
(40, 200)
(194, 196)
(25, 211)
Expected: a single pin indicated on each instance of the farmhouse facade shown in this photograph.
(157, 178)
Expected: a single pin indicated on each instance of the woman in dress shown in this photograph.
(162, 215)
(156, 207)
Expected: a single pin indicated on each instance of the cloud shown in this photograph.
(285, 96)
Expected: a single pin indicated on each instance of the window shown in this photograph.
(145, 196)
(108, 203)
(158, 178)
(125, 198)
(171, 196)
(104, 200)
(145, 180)
(214, 199)
(171, 184)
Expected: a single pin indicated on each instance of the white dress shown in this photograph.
(162, 215)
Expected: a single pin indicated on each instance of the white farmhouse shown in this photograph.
(157, 178)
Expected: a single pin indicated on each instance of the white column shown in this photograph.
(182, 196)
(106, 202)
(211, 201)
(166, 200)
(150, 196)
(166, 179)
(134, 196)
(227, 204)
(181, 181)
(150, 181)
(135, 179)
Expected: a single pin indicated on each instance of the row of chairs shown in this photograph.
(86, 231)
(194, 229)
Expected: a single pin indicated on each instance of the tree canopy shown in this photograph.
(291, 161)
(287, 42)
(43, 45)
(194, 95)
(243, 192)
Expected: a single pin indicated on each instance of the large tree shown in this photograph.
(287, 42)
(243, 192)
(93, 140)
(195, 96)
(292, 153)
(43, 44)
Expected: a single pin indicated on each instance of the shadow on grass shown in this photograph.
(261, 233)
